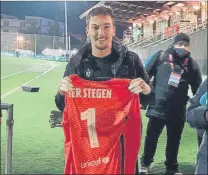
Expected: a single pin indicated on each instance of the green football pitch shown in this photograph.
(37, 148)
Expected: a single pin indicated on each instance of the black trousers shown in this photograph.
(154, 129)
(199, 140)
(200, 133)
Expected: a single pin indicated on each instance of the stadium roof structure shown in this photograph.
(140, 11)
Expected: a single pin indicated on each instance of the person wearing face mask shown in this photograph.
(172, 72)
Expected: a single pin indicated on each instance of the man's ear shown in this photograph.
(87, 29)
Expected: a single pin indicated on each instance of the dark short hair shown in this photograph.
(101, 10)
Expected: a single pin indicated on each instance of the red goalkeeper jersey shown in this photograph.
(102, 127)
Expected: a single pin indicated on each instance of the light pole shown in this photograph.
(53, 44)
(66, 28)
(35, 44)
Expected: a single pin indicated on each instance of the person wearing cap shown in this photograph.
(172, 73)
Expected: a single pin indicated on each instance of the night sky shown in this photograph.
(52, 10)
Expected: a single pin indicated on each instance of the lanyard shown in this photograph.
(172, 65)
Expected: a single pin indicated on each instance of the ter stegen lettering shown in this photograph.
(90, 93)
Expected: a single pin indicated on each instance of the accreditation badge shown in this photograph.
(174, 79)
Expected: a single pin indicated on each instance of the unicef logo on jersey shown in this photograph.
(88, 73)
(105, 160)
(99, 161)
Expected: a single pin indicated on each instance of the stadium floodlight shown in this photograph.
(20, 38)
(134, 24)
(196, 7)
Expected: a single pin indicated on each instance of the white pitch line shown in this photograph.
(15, 89)
(19, 72)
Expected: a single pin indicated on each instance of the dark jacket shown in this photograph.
(196, 114)
(126, 64)
(168, 101)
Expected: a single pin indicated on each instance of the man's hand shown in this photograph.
(55, 119)
(65, 85)
(138, 85)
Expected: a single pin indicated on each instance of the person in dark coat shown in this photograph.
(103, 58)
(197, 117)
(172, 71)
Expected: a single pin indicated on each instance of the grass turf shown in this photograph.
(38, 149)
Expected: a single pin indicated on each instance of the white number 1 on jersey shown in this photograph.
(89, 115)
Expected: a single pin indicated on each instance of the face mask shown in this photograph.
(181, 52)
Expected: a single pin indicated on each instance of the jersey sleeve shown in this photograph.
(132, 136)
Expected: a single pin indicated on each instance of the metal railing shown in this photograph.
(9, 136)
(160, 38)
(32, 42)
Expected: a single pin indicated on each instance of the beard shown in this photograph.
(101, 46)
